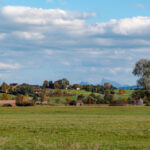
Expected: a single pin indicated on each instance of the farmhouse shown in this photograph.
(140, 102)
(78, 89)
(79, 103)
(14, 84)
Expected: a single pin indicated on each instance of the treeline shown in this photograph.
(65, 84)
(17, 89)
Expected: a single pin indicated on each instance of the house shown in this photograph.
(78, 89)
(79, 103)
(14, 84)
(38, 91)
(107, 85)
(140, 102)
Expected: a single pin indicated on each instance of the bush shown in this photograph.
(122, 91)
(109, 98)
(24, 89)
(5, 96)
(81, 97)
(129, 100)
(73, 103)
(147, 103)
(144, 94)
(100, 100)
(57, 101)
(68, 100)
(58, 92)
(22, 100)
(90, 100)
(35, 97)
(43, 97)
(120, 102)
(7, 105)
(93, 99)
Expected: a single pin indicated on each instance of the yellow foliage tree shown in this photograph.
(5, 96)
(122, 91)
(68, 99)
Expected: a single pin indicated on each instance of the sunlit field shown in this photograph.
(77, 128)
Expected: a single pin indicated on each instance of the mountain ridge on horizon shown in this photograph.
(113, 83)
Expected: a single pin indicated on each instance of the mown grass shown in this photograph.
(77, 128)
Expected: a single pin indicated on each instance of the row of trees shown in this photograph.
(59, 84)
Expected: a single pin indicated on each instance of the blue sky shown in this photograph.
(106, 10)
(82, 40)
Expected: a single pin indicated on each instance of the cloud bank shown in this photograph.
(62, 43)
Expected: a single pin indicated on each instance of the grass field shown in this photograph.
(62, 100)
(126, 95)
(77, 128)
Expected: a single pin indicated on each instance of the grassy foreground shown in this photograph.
(67, 128)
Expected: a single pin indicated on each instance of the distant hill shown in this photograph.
(131, 87)
(118, 85)
(115, 84)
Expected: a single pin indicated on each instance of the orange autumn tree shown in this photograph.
(56, 85)
(122, 91)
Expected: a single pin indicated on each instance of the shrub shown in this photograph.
(144, 94)
(35, 97)
(48, 101)
(119, 102)
(43, 97)
(22, 100)
(93, 99)
(80, 97)
(129, 100)
(68, 100)
(57, 101)
(5, 96)
(122, 91)
(108, 98)
(73, 103)
(24, 89)
(147, 103)
(58, 92)
(100, 100)
(7, 105)
(90, 100)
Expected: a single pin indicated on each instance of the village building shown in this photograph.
(140, 102)
(14, 84)
(79, 103)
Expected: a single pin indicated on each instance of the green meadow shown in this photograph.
(62, 99)
(75, 128)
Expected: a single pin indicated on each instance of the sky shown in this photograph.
(81, 40)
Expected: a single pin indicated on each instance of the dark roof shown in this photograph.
(13, 84)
